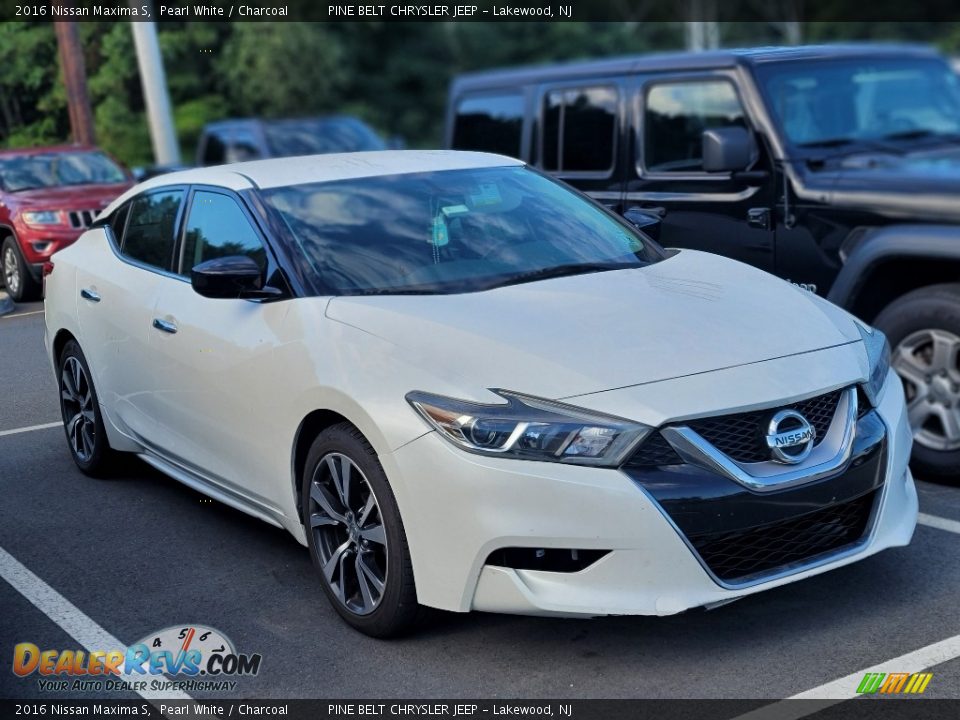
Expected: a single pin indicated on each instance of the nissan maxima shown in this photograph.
(463, 385)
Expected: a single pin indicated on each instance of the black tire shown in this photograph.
(395, 609)
(21, 287)
(905, 321)
(82, 420)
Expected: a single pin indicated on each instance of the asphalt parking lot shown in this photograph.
(141, 552)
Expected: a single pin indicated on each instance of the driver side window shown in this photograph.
(217, 227)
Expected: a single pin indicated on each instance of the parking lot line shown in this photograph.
(68, 617)
(940, 523)
(16, 315)
(845, 688)
(31, 428)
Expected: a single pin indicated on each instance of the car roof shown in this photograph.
(672, 61)
(233, 123)
(279, 172)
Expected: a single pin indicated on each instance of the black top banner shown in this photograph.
(765, 11)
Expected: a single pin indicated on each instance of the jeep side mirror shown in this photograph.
(647, 221)
(728, 149)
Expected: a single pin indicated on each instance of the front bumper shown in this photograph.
(460, 508)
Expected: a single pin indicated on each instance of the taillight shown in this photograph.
(47, 268)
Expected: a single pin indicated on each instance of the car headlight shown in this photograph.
(41, 217)
(878, 359)
(530, 428)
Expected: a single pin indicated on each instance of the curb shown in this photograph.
(6, 304)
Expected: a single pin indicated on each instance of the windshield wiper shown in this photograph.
(921, 134)
(563, 271)
(856, 143)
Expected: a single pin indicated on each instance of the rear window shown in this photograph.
(149, 235)
(579, 129)
(490, 123)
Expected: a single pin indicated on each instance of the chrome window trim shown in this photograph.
(829, 456)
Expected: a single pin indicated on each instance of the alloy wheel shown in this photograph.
(927, 362)
(349, 534)
(76, 401)
(11, 271)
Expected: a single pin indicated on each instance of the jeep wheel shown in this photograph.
(923, 328)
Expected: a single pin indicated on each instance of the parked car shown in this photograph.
(229, 141)
(835, 167)
(465, 386)
(48, 196)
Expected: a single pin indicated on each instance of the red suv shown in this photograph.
(48, 196)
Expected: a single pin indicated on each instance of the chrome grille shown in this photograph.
(82, 218)
(741, 436)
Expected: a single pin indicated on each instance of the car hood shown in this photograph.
(923, 182)
(77, 197)
(692, 313)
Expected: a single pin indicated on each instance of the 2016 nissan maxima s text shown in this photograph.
(465, 386)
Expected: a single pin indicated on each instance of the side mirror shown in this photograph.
(646, 220)
(236, 276)
(728, 149)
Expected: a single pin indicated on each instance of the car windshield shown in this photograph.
(837, 103)
(47, 170)
(452, 231)
(287, 138)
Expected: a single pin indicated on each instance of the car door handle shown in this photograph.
(90, 295)
(165, 325)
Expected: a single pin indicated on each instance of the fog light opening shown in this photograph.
(564, 560)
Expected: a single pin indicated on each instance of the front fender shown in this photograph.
(933, 242)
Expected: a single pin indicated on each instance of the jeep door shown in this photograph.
(725, 213)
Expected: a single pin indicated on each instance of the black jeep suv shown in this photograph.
(836, 167)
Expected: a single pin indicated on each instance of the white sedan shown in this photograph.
(465, 386)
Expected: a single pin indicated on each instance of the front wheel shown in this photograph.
(16, 276)
(355, 534)
(923, 328)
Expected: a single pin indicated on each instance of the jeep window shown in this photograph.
(315, 136)
(149, 237)
(839, 102)
(58, 169)
(489, 123)
(214, 150)
(675, 116)
(242, 146)
(579, 127)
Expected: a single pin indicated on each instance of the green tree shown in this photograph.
(280, 69)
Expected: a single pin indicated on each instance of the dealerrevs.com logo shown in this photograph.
(202, 657)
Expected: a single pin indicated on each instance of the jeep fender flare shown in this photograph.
(875, 247)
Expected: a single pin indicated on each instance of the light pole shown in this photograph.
(166, 151)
